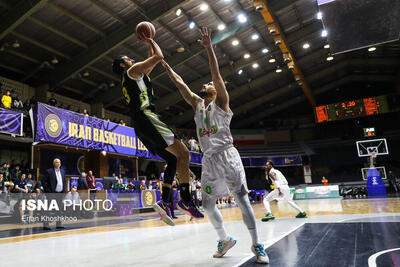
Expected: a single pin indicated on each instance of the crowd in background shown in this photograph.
(16, 178)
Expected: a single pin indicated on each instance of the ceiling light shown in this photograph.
(278, 41)
(240, 72)
(324, 33)
(180, 49)
(112, 84)
(228, 1)
(178, 12)
(278, 70)
(372, 49)
(54, 60)
(319, 15)
(306, 45)
(246, 55)
(203, 7)
(254, 36)
(192, 24)
(235, 42)
(329, 58)
(242, 18)
(255, 65)
(86, 74)
(264, 51)
(327, 46)
(15, 44)
(221, 27)
(271, 60)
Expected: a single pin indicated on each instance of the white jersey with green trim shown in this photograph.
(213, 128)
(278, 175)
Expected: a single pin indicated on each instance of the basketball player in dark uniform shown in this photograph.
(156, 136)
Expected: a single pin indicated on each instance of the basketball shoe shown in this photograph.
(268, 216)
(301, 215)
(163, 209)
(223, 247)
(261, 255)
(190, 209)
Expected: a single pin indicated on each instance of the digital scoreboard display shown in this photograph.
(352, 109)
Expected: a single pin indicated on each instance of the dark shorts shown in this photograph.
(152, 132)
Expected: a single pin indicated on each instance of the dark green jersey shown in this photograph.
(138, 93)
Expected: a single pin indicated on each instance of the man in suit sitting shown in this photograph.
(55, 186)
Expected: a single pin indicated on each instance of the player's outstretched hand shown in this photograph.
(144, 39)
(205, 34)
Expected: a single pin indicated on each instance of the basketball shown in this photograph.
(145, 28)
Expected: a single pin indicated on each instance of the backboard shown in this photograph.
(365, 147)
(381, 170)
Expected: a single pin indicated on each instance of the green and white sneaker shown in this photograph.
(269, 216)
(223, 247)
(301, 215)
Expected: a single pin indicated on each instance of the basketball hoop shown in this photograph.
(373, 154)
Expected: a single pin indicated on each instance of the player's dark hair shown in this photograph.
(270, 163)
(116, 66)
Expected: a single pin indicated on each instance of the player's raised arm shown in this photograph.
(147, 66)
(190, 97)
(222, 94)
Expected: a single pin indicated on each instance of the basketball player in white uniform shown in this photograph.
(281, 192)
(221, 167)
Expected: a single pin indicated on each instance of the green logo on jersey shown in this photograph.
(208, 189)
(204, 132)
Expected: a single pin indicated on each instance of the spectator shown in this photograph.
(52, 100)
(73, 195)
(91, 181)
(119, 185)
(3, 193)
(13, 94)
(85, 112)
(16, 174)
(82, 182)
(192, 144)
(18, 103)
(27, 104)
(143, 185)
(29, 183)
(324, 181)
(4, 170)
(54, 184)
(6, 100)
(21, 185)
(151, 178)
(121, 122)
(131, 186)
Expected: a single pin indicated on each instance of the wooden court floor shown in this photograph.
(316, 207)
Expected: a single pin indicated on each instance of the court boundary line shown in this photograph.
(273, 243)
(373, 257)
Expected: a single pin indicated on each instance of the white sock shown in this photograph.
(266, 205)
(242, 199)
(215, 217)
(294, 205)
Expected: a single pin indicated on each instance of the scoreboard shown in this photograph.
(352, 109)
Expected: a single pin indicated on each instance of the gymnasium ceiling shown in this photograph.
(85, 35)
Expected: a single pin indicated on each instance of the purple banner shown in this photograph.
(278, 161)
(60, 126)
(65, 127)
(10, 122)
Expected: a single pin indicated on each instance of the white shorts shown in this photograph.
(222, 171)
(274, 194)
